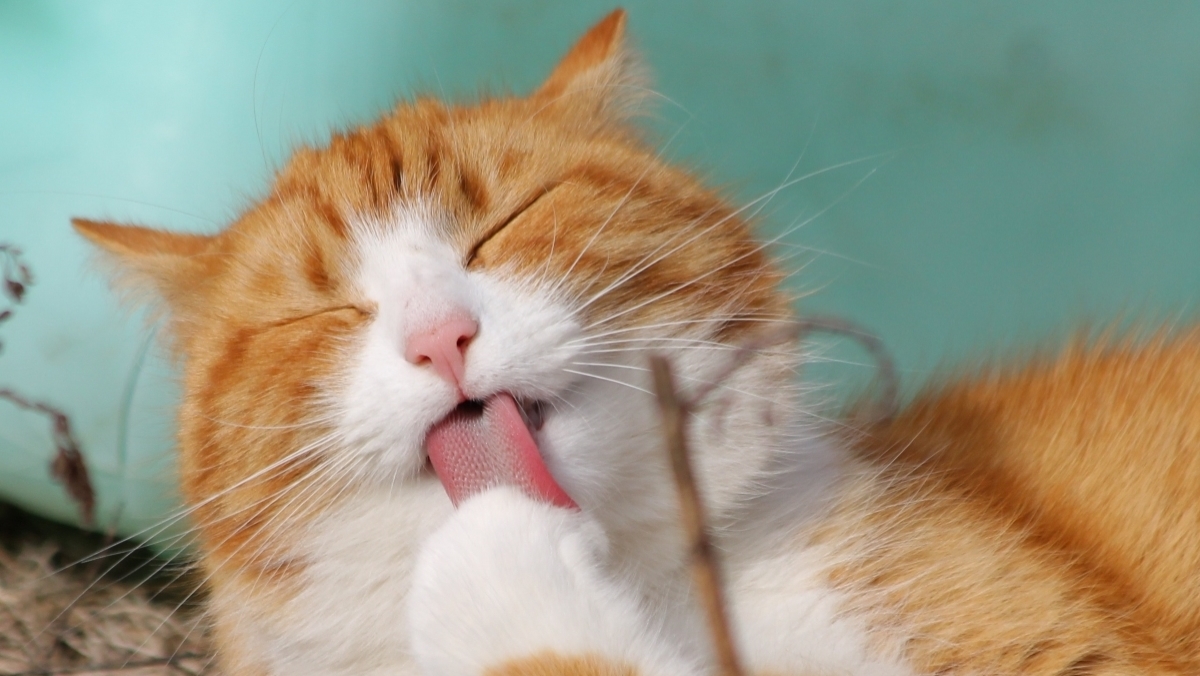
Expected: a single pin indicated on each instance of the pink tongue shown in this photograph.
(474, 450)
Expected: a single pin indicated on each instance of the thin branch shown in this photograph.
(674, 409)
(68, 466)
(15, 279)
(777, 334)
(786, 332)
(888, 399)
(705, 569)
(15, 273)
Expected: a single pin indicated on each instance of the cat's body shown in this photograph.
(1043, 521)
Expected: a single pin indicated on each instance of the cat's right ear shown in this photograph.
(162, 264)
(599, 77)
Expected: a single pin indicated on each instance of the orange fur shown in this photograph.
(1035, 521)
(1041, 520)
(550, 664)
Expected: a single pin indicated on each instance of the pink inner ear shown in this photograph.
(474, 450)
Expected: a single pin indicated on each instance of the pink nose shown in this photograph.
(443, 345)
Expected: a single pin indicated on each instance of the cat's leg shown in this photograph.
(515, 587)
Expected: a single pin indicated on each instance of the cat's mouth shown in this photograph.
(488, 443)
(533, 411)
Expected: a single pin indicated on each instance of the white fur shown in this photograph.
(787, 621)
(504, 576)
(543, 586)
(349, 615)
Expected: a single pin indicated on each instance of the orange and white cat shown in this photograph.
(524, 257)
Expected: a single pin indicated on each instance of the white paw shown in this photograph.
(507, 577)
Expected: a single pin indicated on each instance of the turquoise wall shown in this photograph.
(1015, 168)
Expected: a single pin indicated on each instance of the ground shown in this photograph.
(66, 610)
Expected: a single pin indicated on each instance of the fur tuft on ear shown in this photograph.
(164, 265)
(599, 76)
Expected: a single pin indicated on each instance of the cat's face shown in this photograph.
(524, 246)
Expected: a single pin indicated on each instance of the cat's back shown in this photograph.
(1060, 499)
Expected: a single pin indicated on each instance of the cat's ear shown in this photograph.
(158, 263)
(599, 76)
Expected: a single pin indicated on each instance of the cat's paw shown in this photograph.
(508, 580)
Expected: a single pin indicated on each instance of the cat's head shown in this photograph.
(532, 246)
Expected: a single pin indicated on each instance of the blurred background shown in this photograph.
(988, 175)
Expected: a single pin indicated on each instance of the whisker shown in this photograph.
(308, 424)
(708, 319)
(180, 514)
(642, 350)
(765, 199)
(624, 200)
(611, 380)
(728, 263)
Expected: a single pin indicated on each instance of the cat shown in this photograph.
(524, 256)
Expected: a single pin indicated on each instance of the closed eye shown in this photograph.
(495, 229)
(362, 311)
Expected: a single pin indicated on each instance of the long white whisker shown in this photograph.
(765, 199)
(753, 251)
(316, 422)
(611, 380)
(708, 319)
(163, 525)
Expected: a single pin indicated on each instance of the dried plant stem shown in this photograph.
(675, 409)
(888, 398)
(68, 466)
(705, 569)
(785, 332)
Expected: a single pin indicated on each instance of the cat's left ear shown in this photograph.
(153, 264)
(600, 76)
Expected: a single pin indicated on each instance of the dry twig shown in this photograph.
(15, 279)
(675, 409)
(785, 332)
(705, 570)
(68, 466)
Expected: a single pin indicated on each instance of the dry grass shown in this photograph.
(60, 617)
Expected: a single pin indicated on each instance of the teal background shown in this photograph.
(1016, 168)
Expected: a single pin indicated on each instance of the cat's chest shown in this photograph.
(349, 614)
